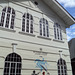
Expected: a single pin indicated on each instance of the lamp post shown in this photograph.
(14, 47)
(60, 53)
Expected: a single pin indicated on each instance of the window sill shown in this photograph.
(58, 40)
(25, 33)
(44, 37)
(6, 29)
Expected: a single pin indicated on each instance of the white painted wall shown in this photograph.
(27, 44)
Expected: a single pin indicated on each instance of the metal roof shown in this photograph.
(61, 12)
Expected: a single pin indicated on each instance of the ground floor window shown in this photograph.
(12, 64)
(62, 68)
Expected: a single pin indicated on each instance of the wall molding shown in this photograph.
(34, 43)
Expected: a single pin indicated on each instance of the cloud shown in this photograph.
(67, 3)
(70, 32)
(72, 27)
(73, 33)
(69, 37)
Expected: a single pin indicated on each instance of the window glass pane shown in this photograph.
(57, 33)
(47, 32)
(4, 10)
(43, 29)
(9, 10)
(27, 15)
(13, 16)
(65, 72)
(40, 28)
(64, 62)
(64, 67)
(3, 14)
(31, 17)
(12, 23)
(46, 22)
(24, 16)
(58, 71)
(58, 67)
(7, 21)
(12, 70)
(13, 12)
(2, 18)
(23, 24)
(62, 71)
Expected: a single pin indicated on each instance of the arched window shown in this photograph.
(27, 23)
(7, 18)
(62, 68)
(44, 27)
(57, 31)
(12, 64)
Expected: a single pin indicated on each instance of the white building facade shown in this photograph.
(33, 38)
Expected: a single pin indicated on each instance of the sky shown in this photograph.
(69, 5)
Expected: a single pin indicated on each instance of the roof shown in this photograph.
(61, 12)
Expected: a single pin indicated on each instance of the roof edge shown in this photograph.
(70, 20)
(65, 9)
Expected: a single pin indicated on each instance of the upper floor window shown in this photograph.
(44, 27)
(57, 31)
(27, 23)
(62, 68)
(12, 64)
(7, 18)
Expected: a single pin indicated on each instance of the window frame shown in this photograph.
(10, 18)
(58, 32)
(46, 31)
(62, 68)
(26, 23)
(8, 69)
